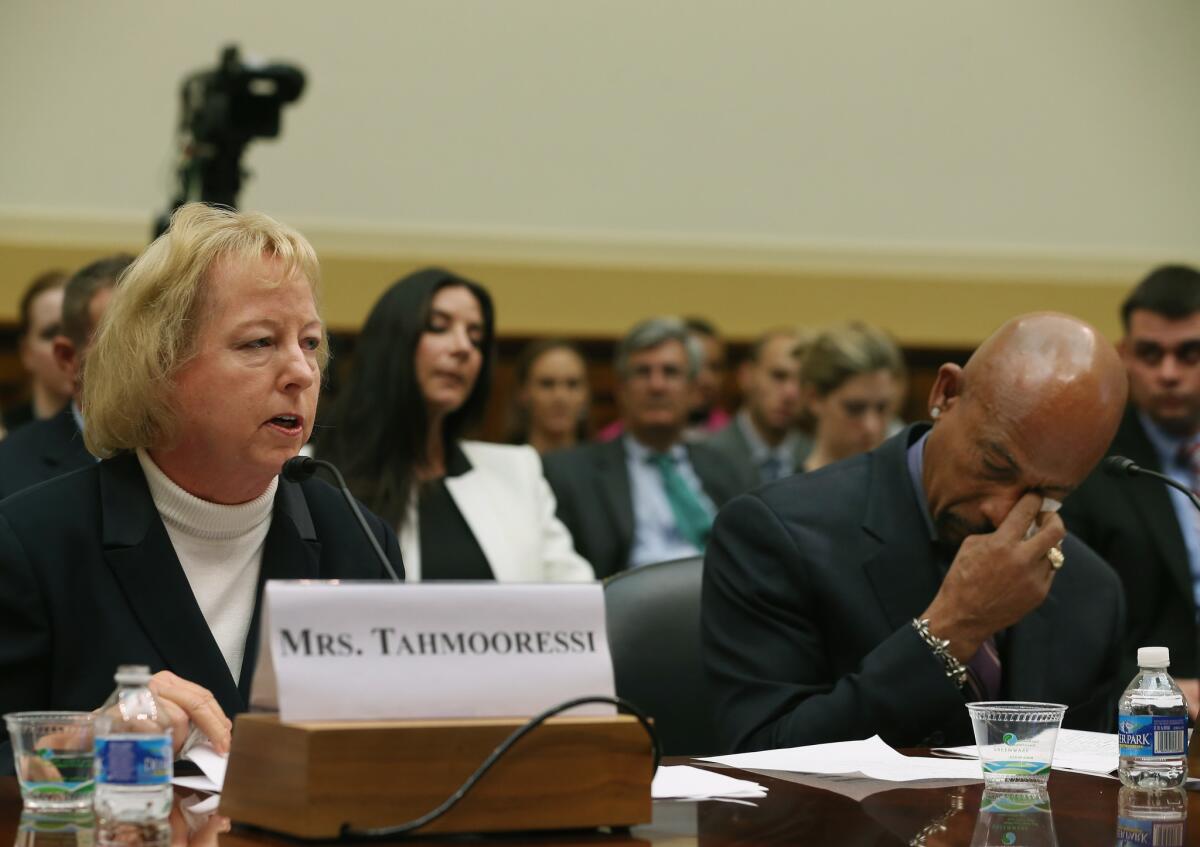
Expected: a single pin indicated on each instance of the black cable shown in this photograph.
(348, 831)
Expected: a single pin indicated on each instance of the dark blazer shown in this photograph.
(731, 443)
(595, 501)
(810, 587)
(89, 580)
(1131, 523)
(40, 451)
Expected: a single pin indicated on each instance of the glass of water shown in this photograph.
(1016, 742)
(52, 752)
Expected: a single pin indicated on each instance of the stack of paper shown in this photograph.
(871, 757)
(686, 783)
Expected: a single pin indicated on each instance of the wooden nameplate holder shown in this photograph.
(308, 779)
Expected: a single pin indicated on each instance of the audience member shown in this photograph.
(421, 376)
(1148, 532)
(40, 314)
(827, 595)
(706, 415)
(202, 380)
(851, 378)
(763, 437)
(552, 396)
(645, 497)
(48, 448)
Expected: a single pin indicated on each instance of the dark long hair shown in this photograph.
(380, 425)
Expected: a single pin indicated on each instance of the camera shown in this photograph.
(221, 111)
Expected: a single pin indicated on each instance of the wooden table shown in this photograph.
(1083, 811)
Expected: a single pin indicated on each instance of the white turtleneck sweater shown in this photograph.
(220, 548)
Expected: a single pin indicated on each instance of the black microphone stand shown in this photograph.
(300, 468)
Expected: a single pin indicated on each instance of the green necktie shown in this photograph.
(691, 518)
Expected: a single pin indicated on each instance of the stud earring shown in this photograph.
(935, 412)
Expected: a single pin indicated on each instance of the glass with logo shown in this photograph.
(1016, 742)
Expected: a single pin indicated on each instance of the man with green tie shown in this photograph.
(647, 496)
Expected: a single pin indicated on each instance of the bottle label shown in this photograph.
(134, 761)
(1152, 735)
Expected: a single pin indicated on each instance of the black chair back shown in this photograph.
(653, 617)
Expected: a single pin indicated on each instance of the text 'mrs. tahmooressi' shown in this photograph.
(388, 641)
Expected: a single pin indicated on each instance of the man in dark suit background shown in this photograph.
(48, 448)
(763, 438)
(1148, 532)
(881, 593)
(646, 496)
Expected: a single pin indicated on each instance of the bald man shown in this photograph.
(881, 594)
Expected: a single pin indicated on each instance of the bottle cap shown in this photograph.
(1154, 657)
(132, 675)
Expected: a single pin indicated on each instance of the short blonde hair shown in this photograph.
(841, 353)
(152, 325)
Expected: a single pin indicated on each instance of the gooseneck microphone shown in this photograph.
(300, 468)
(1121, 466)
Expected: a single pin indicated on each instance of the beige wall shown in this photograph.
(930, 165)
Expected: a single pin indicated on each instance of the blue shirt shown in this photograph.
(1168, 447)
(655, 537)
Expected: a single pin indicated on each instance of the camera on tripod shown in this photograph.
(221, 111)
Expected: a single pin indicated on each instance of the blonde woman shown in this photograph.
(202, 382)
(850, 377)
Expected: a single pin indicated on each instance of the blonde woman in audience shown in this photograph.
(552, 396)
(851, 377)
(202, 381)
(421, 376)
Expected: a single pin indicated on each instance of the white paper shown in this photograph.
(687, 783)
(211, 763)
(197, 783)
(382, 651)
(871, 757)
(1075, 750)
(856, 786)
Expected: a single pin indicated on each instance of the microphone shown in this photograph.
(300, 468)
(1121, 466)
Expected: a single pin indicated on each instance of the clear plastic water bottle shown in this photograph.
(1152, 723)
(134, 756)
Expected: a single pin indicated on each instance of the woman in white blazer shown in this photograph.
(462, 509)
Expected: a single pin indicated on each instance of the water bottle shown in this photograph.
(134, 756)
(1152, 723)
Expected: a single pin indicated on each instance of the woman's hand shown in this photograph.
(188, 704)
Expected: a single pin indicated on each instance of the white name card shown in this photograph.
(387, 651)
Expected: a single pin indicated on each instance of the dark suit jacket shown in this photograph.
(732, 444)
(1132, 524)
(40, 451)
(595, 502)
(97, 584)
(810, 587)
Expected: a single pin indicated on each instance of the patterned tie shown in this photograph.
(984, 671)
(692, 520)
(773, 468)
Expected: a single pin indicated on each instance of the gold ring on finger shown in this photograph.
(1056, 558)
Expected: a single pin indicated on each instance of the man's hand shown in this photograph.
(186, 704)
(996, 579)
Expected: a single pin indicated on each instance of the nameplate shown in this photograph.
(387, 651)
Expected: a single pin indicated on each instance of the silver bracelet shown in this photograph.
(955, 669)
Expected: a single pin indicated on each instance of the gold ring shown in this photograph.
(1056, 558)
